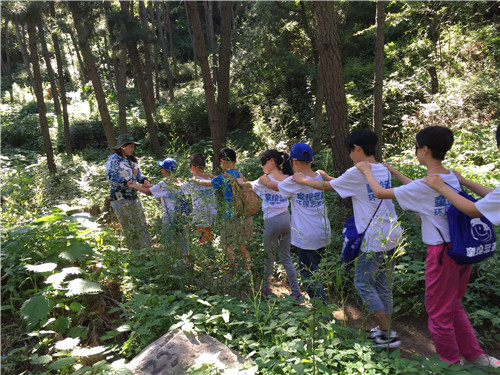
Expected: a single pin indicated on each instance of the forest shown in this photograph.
(186, 77)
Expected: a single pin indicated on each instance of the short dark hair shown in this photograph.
(439, 139)
(227, 154)
(364, 138)
(198, 160)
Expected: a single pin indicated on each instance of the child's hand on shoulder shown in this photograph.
(364, 166)
(299, 177)
(434, 181)
(264, 179)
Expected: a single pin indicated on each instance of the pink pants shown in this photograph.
(449, 325)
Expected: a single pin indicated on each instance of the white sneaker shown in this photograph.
(383, 341)
(374, 332)
(484, 360)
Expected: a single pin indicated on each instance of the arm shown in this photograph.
(401, 177)
(140, 188)
(468, 207)
(206, 183)
(380, 192)
(324, 175)
(475, 187)
(266, 181)
(315, 184)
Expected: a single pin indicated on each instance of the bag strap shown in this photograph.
(375, 211)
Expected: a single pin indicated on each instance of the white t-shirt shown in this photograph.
(489, 206)
(431, 205)
(310, 225)
(169, 196)
(385, 223)
(203, 200)
(273, 202)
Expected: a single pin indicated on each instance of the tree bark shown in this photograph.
(121, 78)
(166, 4)
(6, 63)
(50, 71)
(209, 24)
(83, 72)
(42, 111)
(224, 68)
(147, 55)
(330, 64)
(378, 79)
(148, 108)
(24, 53)
(62, 87)
(164, 52)
(208, 86)
(83, 39)
(195, 58)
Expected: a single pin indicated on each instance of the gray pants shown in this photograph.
(131, 217)
(277, 235)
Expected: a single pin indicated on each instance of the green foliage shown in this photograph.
(87, 134)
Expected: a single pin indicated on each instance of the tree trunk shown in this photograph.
(318, 112)
(215, 130)
(6, 64)
(171, 39)
(24, 54)
(224, 65)
(195, 59)
(42, 111)
(147, 55)
(148, 108)
(209, 23)
(50, 71)
(62, 87)
(330, 64)
(83, 38)
(164, 52)
(83, 72)
(378, 79)
(121, 78)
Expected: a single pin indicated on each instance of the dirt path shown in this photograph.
(412, 331)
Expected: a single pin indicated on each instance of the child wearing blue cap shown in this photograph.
(175, 208)
(310, 225)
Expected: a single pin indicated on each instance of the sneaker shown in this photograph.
(374, 332)
(484, 360)
(298, 299)
(382, 341)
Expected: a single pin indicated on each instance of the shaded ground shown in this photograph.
(412, 331)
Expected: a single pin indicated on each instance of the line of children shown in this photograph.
(277, 229)
(445, 280)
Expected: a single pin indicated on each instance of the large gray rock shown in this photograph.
(175, 352)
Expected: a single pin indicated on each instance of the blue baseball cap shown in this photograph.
(301, 151)
(168, 164)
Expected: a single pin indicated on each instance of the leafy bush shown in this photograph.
(87, 134)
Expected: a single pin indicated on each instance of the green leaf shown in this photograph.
(61, 324)
(82, 286)
(76, 251)
(78, 332)
(48, 218)
(44, 267)
(40, 360)
(75, 306)
(60, 363)
(36, 309)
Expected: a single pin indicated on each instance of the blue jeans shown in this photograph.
(373, 280)
(309, 271)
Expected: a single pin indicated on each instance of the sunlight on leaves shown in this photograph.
(82, 286)
(85, 352)
(44, 267)
(67, 344)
